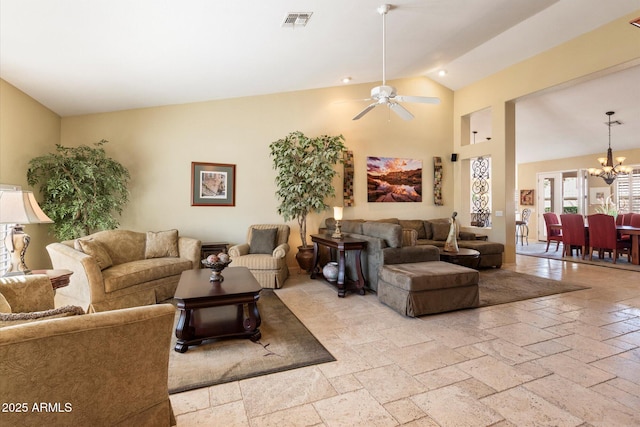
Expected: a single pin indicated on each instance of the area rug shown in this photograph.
(285, 344)
(499, 286)
(538, 250)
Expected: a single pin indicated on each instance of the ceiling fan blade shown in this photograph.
(401, 111)
(420, 99)
(365, 111)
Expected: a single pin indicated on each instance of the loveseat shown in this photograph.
(397, 233)
(84, 369)
(116, 269)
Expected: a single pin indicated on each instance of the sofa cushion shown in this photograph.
(430, 275)
(133, 273)
(415, 224)
(440, 230)
(485, 248)
(263, 241)
(428, 230)
(94, 249)
(161, 244)
(4, 305)
(390, 233)
(258, 262)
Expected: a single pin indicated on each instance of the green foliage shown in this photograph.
(83, 189)
(305, 174)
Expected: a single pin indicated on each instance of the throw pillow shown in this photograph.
(263, 241)
(96, 250)
(440, 230)
(4, 305)
(162, 244)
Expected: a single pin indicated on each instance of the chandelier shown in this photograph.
(608, 170)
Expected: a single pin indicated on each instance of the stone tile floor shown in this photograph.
(571, 359)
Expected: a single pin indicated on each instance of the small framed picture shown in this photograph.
(526, 197)
(213, 184)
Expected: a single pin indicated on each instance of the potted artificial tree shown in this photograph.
(83, 189)
(304, 180)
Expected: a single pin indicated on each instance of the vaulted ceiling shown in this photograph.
(79, 56)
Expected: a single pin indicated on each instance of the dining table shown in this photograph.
(633, 232)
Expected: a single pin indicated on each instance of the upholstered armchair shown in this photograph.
(106, 368)
(264, 254)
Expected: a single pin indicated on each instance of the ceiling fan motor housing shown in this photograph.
(384, 91)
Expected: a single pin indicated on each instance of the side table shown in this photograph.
(59, 278)
(464, 257)
(342, 246)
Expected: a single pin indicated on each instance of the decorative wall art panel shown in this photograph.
(437, 181)
(347, 192)
(394, 180)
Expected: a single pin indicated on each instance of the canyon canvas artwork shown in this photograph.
(392, 179)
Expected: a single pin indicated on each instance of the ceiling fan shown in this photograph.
(387, 95)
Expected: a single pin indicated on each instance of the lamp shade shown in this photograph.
(337, 213)
(20, 207)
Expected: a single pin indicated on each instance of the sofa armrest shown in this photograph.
(89, 363)
(239, 250)
(189, 248)
(27, 293)
(281, 251)
(86, 284)
(409, 254)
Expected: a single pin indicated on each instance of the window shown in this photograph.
(570, 193)
(628, 191)
(481, 191)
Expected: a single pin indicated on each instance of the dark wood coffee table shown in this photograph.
(464, 257)
(210, 310)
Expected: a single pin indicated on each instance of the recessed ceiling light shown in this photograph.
(346, 80)
(442, 73)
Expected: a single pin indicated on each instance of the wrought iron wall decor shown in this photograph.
(480, 200)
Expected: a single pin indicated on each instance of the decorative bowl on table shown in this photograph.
(216, 263)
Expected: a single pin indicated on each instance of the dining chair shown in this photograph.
(635, 220)
(603, 236)
(626, 218)
(553, 234)
(522, 226)
(574, 234)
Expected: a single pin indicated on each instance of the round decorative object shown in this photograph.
(305, 258)
(330, 271)
(216, 269)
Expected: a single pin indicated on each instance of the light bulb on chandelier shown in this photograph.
(608, 170)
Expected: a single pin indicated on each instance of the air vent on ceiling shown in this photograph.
(296, 19)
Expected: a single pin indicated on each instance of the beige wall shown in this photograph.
(157, 145)
(527, 173)
(27, 129)
(609, 47)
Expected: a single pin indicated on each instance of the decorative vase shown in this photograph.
(216, 269)
(305, 258)
(330, 271)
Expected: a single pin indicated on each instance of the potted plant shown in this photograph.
(305, 172)
(83, 189)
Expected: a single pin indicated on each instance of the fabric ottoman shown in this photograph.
(416, 289)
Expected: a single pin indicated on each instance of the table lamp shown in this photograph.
(19, 207)
(337, 215)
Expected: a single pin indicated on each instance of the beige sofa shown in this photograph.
(120, 268)
(84, 369)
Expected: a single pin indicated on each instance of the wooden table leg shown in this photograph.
(360, 284)
(635, 249)
(183, 331)
(315, 269)
(341, 274)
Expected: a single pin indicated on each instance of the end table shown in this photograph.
(59, 278)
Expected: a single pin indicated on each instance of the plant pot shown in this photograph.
(305, 258)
